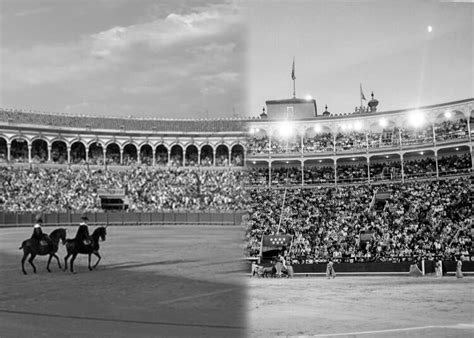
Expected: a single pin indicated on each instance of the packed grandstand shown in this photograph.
(315, 178)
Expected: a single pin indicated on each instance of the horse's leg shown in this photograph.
(25, 254)
(89, 264)
(49, 261)
(65, 260)
(71, 263)
(31, 262)
(98, 259)
(57, 259)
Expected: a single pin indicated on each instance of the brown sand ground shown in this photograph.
(152, 281)
(362, 307)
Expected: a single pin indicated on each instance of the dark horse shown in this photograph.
(32, 247)
(76, 246)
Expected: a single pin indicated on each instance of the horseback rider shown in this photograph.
(281, 258)
(83, 231)
(38, 234)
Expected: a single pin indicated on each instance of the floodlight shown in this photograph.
(252, 131)
(353, 159)
(317, 128)
(416, 118)
(285, 129)
(386, 156)
(254, 162)
(308, 97)
(383, 122)
(320, 161)
(457, 149)
(257, 130)
(421, 152)
(448, 114)
(358, 125)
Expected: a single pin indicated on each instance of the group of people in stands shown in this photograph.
(60, 190)
(419, 219)
(352, 140)
(357, 172)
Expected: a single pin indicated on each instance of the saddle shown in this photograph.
(86, 242)
(43, 242)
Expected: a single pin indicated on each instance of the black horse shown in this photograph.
(76, 246)
(33, 247)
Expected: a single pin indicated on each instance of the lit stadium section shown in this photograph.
(34, 137)
(364, 147)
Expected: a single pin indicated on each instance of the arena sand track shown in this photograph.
(362, 307)
(152, 281)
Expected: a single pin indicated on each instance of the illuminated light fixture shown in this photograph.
(457, 149)
(308, 97)
(257, 130)
(343, 126)
(287, 162)
(353, 159)
(421, 153)
(416, 118)
(252, 131)
(448, 114)
(386, 156)
(383, 122)
(254, 162)
(285, 129)
(358, 125)
(320, 161)
(317, 128)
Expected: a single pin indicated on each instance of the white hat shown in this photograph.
(37, 226)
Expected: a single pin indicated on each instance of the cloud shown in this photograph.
(149, 64)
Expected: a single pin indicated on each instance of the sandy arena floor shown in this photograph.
(362, 307)
(152, 281)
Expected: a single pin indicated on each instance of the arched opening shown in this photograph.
(286, 173)
(383, 133)
(318, 139)
(3, 150)
(207, 156)
(146, 154)
(19, 150)
(351, 169)
(454, 160)
(258, 173)
(78, 153)
(350, 138)
(222, 156)
(318, 171)
(237, 157)
(39, 151)
(176, 155)
(112, 154)
(286, 141)
(161, 155)
(451, 125)
(385, 167)
(419, 164)
(191, 156)
(59, 152)
(130, 154)
(96, 154)
(257, 141)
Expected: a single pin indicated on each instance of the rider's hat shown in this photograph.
(37, 226)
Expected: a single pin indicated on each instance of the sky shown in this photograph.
(338, 45)
(212, 59)
(167, 59)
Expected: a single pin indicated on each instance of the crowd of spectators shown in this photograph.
(62, 190)
(351, 141)
(320, 143)
(451, 130)
(387, 138)
(419, 219)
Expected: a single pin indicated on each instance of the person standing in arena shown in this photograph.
(459, 268)
(83, 232)
(330, 272)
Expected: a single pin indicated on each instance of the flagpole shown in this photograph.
(360, 95)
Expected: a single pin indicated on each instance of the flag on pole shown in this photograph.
(362, 96)
(293, 76)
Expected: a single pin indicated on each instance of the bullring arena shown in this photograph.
(186, 202)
